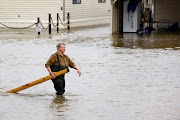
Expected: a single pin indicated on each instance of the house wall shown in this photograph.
(116, 16)
(167, 9)
(89, 12)
(20, 13)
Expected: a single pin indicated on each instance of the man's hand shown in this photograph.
(79, 72)
(52, 74)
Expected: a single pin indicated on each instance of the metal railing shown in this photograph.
(49, 24)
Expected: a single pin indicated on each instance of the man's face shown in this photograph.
(62, 48)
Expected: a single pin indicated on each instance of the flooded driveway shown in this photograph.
(124, 77)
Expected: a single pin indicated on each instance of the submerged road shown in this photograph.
(124, 77)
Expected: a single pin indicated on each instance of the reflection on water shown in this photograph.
(59, 99)
(147, 41)
(58, 107)
(127, 40)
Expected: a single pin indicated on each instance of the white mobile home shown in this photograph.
(21, 13)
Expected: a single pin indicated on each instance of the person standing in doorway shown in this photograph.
(59, 61)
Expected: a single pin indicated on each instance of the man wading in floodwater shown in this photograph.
(59, 61)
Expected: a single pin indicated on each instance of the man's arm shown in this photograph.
(72, 65)
(51, 73)
(78, 70)
(50, 63)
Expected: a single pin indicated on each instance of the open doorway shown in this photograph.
(138, 15)
(149, 8)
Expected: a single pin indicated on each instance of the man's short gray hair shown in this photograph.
(59, 45)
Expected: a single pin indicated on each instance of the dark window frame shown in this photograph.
(75, 2)
(101, 1)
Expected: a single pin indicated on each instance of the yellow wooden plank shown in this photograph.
(37, 81)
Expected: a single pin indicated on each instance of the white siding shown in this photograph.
(27, 11)
(88, 12)
(21, 13)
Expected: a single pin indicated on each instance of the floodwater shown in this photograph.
(124, 77)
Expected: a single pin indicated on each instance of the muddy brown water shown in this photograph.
(124, 77)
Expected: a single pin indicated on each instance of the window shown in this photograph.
(76, 1)
(101, 1)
